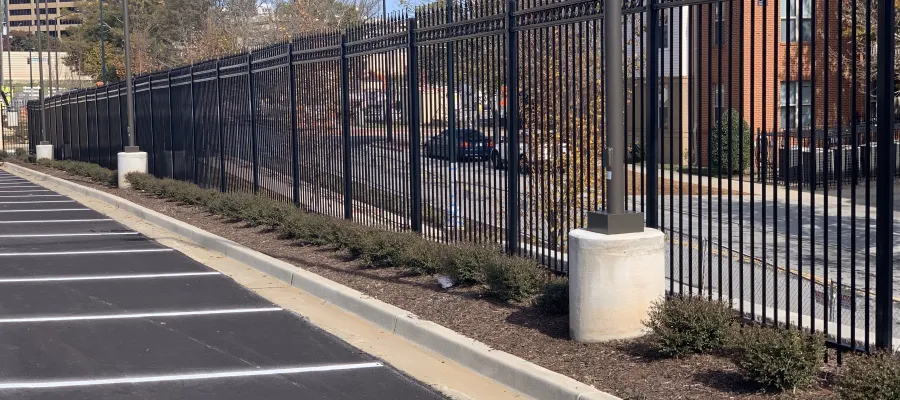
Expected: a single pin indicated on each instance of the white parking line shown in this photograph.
(37, 202)
(106, 277)
(56, 221)
(23, 191)
(11, 183)
(140, 315)
(31, 195)
(19, 187)
(48, 210)
(50, 235)
(81, 253)
(188, 377)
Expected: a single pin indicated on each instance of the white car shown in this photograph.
(529, 156)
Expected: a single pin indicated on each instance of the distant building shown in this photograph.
(22, 16)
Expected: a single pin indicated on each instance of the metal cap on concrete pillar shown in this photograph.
(613, 281)
(128, 162)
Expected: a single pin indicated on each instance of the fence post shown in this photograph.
(345, 128)
(512, 130)
(151, 152)
(171, 123)
(222, 177)
(195, 164)
(415, 160)
(651, 124)
(295, 135)
(254, 146)
(884, 221)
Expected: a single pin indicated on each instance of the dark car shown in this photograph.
(470, 144)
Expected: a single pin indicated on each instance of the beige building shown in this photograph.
(25, 67)
(22, 15)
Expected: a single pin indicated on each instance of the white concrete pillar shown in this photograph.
(613, 281)
(44, 151)
(129, 162)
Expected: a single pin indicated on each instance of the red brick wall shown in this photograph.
(754, 62)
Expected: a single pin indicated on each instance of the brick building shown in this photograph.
(777, 63)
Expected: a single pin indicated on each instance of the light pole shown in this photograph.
(129, 90)
(102, 43)
(614, 219)
(37, 20)
(132, 159)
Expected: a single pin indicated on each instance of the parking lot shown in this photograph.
(92, 310)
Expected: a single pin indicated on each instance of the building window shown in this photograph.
(796, 25)
(19, 23)
(19, 1)
(20, 12)
(718, 101)
(795, 100)
(48, 11)
(719, 22)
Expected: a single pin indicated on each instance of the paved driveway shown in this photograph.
(91, 310)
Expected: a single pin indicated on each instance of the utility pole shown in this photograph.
(2, 78)
(614, 219)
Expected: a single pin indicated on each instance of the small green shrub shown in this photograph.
(384, 249)
(422, 257)
(783, 359)
(874, 377)
(140, 181)
(686, 325)
(3, 155)
(20, 153)
(506, 278)
(729, 144)
(554, 300)
(513, 278)
(93, 172)
(466, 262)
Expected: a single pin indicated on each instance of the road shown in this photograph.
(92, 310)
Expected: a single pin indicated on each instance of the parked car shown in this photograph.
(470, 144)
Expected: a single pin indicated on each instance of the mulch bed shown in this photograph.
(627, 369)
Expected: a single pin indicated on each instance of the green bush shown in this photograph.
(554, 300)
(21, 153)
(513, 278)
(734, 154)
(3, 155)
(506, 278)
(686, 325)
(874, 377)
(783, 359)
(422, 257)
(93, 172)
(467, 262)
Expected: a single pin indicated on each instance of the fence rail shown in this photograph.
(484, 122)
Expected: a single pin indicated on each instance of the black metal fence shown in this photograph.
(483, 122)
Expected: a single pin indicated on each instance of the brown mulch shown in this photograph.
(627, 369)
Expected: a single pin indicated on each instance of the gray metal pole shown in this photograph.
(49, 64)
(614, 219)
(37, 20)
(128, 80)
(615, 109)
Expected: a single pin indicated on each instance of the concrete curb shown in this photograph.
(521, 375)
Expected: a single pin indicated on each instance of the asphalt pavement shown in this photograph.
(92, 310)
